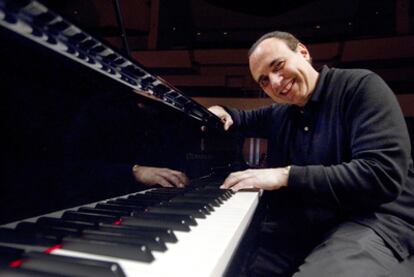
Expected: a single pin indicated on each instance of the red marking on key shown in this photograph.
(16, 263)
(50, 249)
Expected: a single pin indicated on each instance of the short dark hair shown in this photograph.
(290, 40)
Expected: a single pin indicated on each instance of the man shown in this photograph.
(340, 182)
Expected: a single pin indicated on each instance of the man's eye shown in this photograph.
(264, 82)
(278, 65)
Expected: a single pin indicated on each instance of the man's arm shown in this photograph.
(252, 123)
(380, 154)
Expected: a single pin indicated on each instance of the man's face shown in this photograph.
(285, 75)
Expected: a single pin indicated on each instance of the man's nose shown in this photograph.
(275, 79)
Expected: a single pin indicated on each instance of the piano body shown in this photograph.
(76, 116)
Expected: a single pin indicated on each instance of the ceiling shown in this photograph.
(194, 24)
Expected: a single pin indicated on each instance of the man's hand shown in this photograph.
(159, 176)
(267, 179)
(223, 115)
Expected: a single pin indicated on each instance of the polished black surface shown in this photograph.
(72, 134)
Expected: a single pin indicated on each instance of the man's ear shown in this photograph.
(301, 49)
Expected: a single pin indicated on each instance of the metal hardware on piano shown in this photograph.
(77, 115)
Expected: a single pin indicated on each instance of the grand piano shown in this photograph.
(76, 116)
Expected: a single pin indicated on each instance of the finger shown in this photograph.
(171, 178)
(227, 123)
(231, 180)
(181, 176)
(184, 179)
(164, 183)
(237, 177)
(244, 184)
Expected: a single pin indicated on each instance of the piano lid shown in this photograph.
(36, 22)
(77, 115)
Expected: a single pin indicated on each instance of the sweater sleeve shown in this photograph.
(380, 153)
(253, 123)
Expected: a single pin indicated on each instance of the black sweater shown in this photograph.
(349, 149)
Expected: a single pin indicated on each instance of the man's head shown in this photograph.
(281, 66)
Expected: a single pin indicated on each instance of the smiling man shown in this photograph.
(340, 182)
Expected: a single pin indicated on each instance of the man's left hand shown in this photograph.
(267, 179)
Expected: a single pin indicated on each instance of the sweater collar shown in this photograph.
(317, 93)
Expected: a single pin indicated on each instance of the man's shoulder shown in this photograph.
(350, 72)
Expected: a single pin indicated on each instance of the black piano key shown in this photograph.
(97, 49)
(133, 71)
(21, 272)
(132, 202)
(220, 195)
(8, 235)
(189, 219)
(104, 211)
(119, 207)
(58, 222)
(226, 192)
(206, 196)
(70, 49)
(180, 225)
(15, 6)
(197, 206)
(58, 232)
(143, 201)
(10, 18)
(37, 32)
(57, 27)
(160, 90)
(8, 254)
(109, 59)
(169, 190)
(87, 44)
(153, 242)
(146, 197)
(147, 82)
(77, 38)
(89, 217)
(118, 61)
(129, 80)
(197, 213)
(43, 19)
(160, 196)
(106, 248)
(203, 199)
(70, 266)
(135, 201)
(51, 39)
(209, 205)
(165, 234)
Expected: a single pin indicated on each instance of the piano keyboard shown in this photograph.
(203, 245)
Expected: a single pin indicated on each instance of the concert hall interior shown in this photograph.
(200, 45)
(128, 86)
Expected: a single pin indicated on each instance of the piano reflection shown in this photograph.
(76, 116)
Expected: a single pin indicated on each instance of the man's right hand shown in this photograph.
(224, 116)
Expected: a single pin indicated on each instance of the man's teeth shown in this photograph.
(287, 87)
